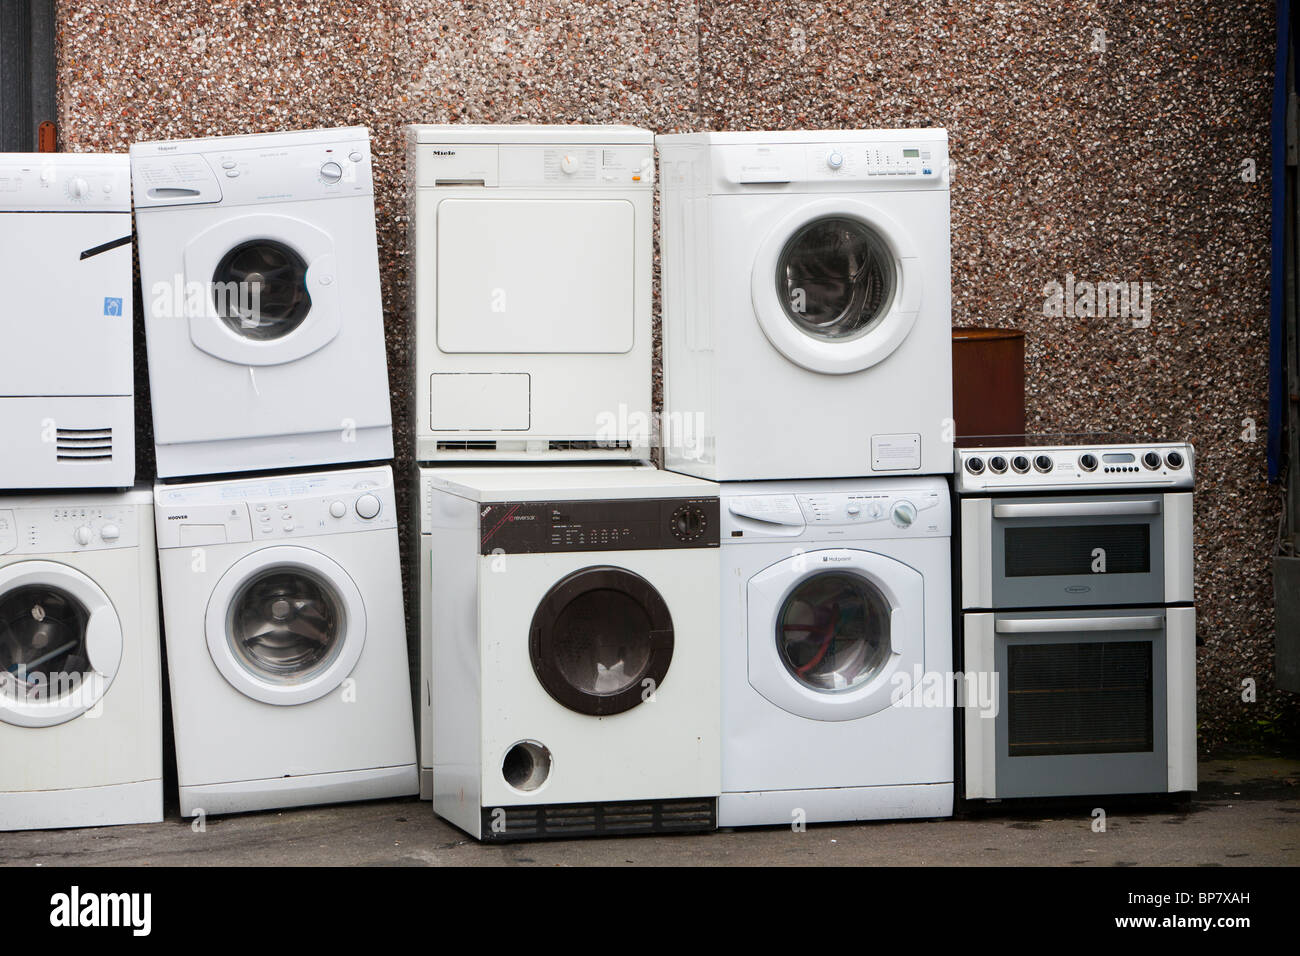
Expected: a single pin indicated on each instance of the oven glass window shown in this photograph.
(833, 631)
(1057, 550)
(1086, 698)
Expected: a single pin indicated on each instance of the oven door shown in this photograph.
(1075, 551)
(1080, 702)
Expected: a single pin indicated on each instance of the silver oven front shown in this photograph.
(1076, 550)
(1078, 701)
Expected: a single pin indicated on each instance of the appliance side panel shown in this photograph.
(1179, 554)
(976, 553)
(1180, 664)
(981, 741)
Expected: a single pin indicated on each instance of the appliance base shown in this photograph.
(225, 456)
(834, 805)
(308, 789)
(568, 820)
(114, 805)
(48, 440)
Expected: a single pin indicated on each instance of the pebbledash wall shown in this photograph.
(1091, 141)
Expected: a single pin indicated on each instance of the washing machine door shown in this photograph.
(836, 286)
(601, 641)
(285, 625)
(60, 643)
(261, 289)
(835, 634)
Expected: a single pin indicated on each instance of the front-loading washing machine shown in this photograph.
(806, 301)
(286, 641)
(572, 671)
(80, 682)
(836, 651)
(532, 259)
(263, 315)
(67, 385)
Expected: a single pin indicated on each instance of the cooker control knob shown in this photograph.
(975, 465)
(1088, 461)
(998, 464)
(367, 506)
(835, 159)
(331, 173)
(84, 535)
(1174, 460)
(904, 513)
(1020, 463)
(1151, 460)
(1043, 463)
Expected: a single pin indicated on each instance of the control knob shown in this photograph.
(84, 535)
(1088, 461)
(1020, 463)
(110, 533)
(568, 164)
(835, 159)
(903, 514)
(367, 506)
(998, 464)
(975, 465)
(338, 509)
(331, 173)
(688, 523)
(1151, 460)
(1174, 460)
(1043, 463)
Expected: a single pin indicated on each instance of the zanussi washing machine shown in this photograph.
(807, 327)
(573, 649)
(286, 642)
(836, 651)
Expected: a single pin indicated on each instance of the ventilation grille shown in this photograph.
(467, 446)
(84, 444)
(1091, 698)
(598, 819)
(588, 445)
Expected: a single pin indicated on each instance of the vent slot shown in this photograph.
(83, 444)
(589, 445)
(598, 819)
(467, 446)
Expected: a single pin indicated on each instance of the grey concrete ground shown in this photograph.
(1247, 812)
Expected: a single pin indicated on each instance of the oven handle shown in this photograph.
(1078, 509)
(1057, 625)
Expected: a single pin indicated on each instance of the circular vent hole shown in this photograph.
(527, 765)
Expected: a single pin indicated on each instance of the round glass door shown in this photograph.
(833, 631)
(259, 290)
(43, 653)
(835, 278)
(286, 624)
(601, 641)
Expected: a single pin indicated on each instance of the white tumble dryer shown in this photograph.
(263, 316)
(572, 670)
(836, 651)
(80, 686)
(807, 316)
(67, 393)
(532, 260)
(286, 642)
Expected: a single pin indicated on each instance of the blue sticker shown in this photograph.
(112, 306)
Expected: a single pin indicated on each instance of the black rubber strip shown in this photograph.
(106, 247)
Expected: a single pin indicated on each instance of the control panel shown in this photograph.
(866, 513)
(921, 162)
(1058, 468)
(68, 529)
(64, 182)
(237, 176)
(551, 166)
(295, 506)
(640, 524)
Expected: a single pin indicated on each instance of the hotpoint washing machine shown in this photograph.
(532, 257)
(573, 650)
(263, 316)
(807, 317)
(67, 387)
(286, 642)
(836, 651)
(80, 685)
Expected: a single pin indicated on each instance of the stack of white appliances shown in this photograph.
(80, 686)
(280, 570)
(569, 593)
(807, 367)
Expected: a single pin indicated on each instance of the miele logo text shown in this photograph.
(444, 152)
(74, 909)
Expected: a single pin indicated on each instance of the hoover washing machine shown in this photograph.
(836, 651)
(263, 317)
(67, 388)
(573, 671)
(807, 317)
(286, 641)
(533, 258)
(80, 685)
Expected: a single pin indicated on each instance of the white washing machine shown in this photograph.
(836, 651)
(263, 315)
(807, 316)
(80, 685)
(286, 641)
(67, 387)
(532, 255)
(573, 650)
